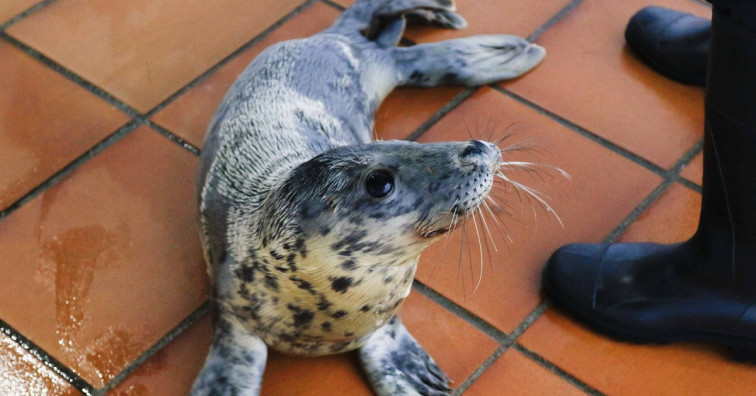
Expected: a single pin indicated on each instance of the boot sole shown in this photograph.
(742, 349)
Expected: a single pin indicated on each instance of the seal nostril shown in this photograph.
(476, 147)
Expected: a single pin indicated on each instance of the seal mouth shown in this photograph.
(434, 233)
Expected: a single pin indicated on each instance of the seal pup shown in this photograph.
(312, 232)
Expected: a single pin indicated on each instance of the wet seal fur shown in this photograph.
(312, 232)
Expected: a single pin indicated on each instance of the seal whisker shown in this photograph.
(485, 224)
(534, 167)
(534, 194)
(480, 247)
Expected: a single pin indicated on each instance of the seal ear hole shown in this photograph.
(379, 184)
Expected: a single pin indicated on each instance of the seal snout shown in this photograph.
(480, 153)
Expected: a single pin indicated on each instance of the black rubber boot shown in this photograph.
(671, 42)
(703, 289)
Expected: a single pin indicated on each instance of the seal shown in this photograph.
(312, 232)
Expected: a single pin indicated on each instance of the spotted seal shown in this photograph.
(312, 232)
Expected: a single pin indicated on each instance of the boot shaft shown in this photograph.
(727, 229)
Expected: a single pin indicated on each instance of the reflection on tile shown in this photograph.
(40, 132)
(603, 190)
(514, 374)
(672, 218)
(628, 369)
(172, 370)
(590, 78)
(23, 374)
(694, 170)
(109, 258)
(190, 114)
(11, 8)
(142, 51)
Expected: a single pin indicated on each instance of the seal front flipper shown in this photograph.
(397, 365)
(235, 363)
(470, 61)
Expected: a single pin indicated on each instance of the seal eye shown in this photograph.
(379, 184)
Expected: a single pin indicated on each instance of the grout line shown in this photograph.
(334, 5)
(670, 177)
(173, 137)
(586, 133)
(508, 342)
(71, 167)
(558, 371)
(40, 354)
(638, 210)
(464, 386)
(530, 319)
(446, 109)
(25, 13)
(185, 324)
(553, 20)
(233, 55)
(691, 185)
(461, 312)
(81, 81)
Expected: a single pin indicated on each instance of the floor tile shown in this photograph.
(189, 115)
(488, 17)
(172, 370)
(109, 257)
(617, 368)
(11, 8)
(603, 190)
(694, 170)
(142, 51)
(23, 374)
(672, 218)
(406, 108)
(40, 132)
(590, 78)
(514, 374)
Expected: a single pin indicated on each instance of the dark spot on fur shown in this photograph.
(271, 282)
(302, 284)
(348, 334)
(326, 326)
(341, 284)
(339, 314)
(246, 273)
(325, 231)
(281, 269)
(302, 317)
(276, 255)
(323, 304)
(365, 308)
(291, 260)
(349, 265)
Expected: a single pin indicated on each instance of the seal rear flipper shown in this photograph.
(371, 17)
(470, 61)
(234, 364)
(397, 365)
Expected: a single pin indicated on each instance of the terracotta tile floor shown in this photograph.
(103, 108)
